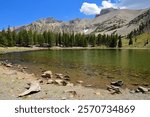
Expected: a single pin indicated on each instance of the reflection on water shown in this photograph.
(129, 65)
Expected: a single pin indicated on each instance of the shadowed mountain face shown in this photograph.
(105, 11)
(121, 21)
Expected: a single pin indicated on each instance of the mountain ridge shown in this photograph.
(120, 21)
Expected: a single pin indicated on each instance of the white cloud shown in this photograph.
(108, 4)
(90, 9)
(93, 9)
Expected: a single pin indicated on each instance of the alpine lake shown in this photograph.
(95, 67)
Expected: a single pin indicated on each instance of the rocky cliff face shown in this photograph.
(121, 21)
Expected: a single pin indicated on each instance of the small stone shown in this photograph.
(88, 85)
(47, 74)
(24, 67)
(97, 93)
(60, 82)
(72, 93)
(63, 98)
(132, 91)
(60, 76)
(80, 81)
(117, 83)
(41, 81)
(114, 89)
(70, 84)
(66, 77)
(50, 81)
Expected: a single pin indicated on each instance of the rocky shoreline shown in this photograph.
(20, 85)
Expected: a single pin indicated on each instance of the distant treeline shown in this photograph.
(143, 27)
(28, 38)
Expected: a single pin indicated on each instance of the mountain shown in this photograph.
(105, 11)
(121, 21)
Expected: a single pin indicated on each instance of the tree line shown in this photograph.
(26, 38)
(143, 27)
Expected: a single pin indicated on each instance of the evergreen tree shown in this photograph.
(14, 36)
(35, 36)
(99, 39)
(9, 37)
(120, 42)
(30, 37)
(130, 41)
(113, 41)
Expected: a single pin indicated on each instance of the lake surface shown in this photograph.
(95, 67)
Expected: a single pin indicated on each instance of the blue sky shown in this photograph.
(21, 12)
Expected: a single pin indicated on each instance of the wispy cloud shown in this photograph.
(92, 8)
(134, 4)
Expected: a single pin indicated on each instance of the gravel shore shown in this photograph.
(13, 82)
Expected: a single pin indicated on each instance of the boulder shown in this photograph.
(50, 81)
(34, 87)
(67, 78)
(118, 83)
(59, 76)
(47, 74)
(142, 89)
(60, 82)
(114, 89)
(8, 65)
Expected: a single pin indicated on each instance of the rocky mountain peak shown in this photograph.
(48, 20)
(120, 21)
(105, 11)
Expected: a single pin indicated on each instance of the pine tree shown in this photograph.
(130, 41)
(9, 37)
(120, 42)
(30, 36)
(113, 41)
